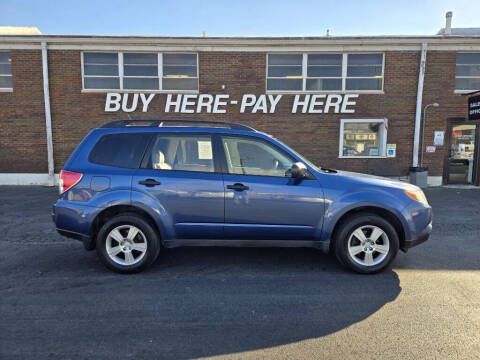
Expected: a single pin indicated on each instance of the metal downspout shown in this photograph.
(418, 113)
(48, 115)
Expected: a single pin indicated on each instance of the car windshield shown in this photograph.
(304, 159)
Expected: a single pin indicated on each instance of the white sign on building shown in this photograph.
(218, 103)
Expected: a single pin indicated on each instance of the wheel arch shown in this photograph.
(382, 212)
(103, 216)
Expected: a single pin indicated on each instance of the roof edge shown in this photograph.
(239, 41)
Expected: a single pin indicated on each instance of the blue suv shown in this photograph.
(135, 186)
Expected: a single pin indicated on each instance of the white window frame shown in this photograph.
(162, 75)
(8, 89)
(382, 141)
(121, 76)
(159, 66)
(344, 74)
(120, 71)
(458, 91)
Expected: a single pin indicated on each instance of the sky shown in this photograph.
(238, 18)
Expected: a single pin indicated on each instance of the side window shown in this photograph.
(120, 150)
(255, 157)
(6, 71)
(181, 152)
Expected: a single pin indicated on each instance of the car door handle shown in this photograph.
(149, 182)
(238, 186)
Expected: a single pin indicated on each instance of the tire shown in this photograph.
(133, 243)
(357, 252)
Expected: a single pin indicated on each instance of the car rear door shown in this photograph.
(179, 171)
(261, 200)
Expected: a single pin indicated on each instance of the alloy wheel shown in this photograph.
(126, 245)
(368, 245)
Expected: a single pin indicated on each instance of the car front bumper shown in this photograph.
(422, 237)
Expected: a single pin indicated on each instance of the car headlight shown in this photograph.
(417, 195)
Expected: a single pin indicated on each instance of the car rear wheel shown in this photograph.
(366, 243)
(127, 243)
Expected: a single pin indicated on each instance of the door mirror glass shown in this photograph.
(298, 170)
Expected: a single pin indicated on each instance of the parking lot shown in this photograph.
(58, 302)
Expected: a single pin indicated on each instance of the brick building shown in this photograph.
(351, 103)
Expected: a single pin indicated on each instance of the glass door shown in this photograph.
(461, 154)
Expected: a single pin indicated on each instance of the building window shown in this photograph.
(284, 72)
(325, 72)
(363, 138)
(364, 72)
(140, 71)
(100, 71)
(6, 71)
(180, 72)
(468, 72)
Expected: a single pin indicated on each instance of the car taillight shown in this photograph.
(68, 179)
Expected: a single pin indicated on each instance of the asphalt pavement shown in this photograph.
(58, 302)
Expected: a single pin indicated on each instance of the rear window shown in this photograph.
(120, 150)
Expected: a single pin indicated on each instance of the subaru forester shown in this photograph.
(133, 187)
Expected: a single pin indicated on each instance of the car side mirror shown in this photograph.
(299, 170)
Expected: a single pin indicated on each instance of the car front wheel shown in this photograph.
(127, 243)
(366, 243)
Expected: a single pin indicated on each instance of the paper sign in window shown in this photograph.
(205, 150)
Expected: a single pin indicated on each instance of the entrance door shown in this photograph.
(461, 164)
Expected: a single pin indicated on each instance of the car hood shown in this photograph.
(375, 180)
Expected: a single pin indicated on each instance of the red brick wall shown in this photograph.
(23, 145)
(315, 135)
(439, 87)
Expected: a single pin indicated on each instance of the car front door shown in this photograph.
(262, 201)
(179, 171)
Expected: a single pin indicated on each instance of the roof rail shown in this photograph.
(161, 123)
